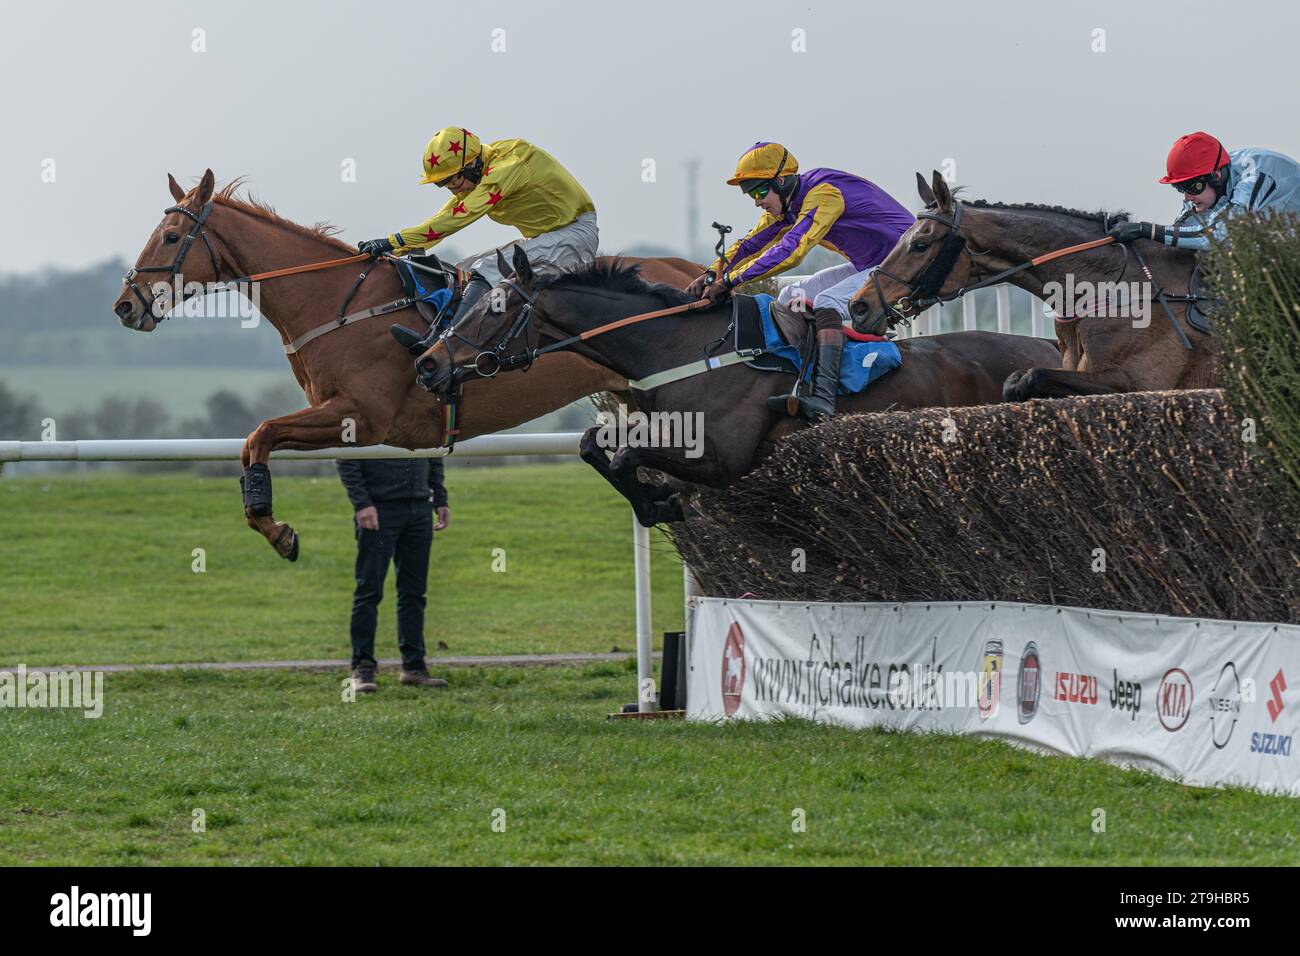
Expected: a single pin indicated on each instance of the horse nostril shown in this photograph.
(427, 365)
(858, 308)
(123, 309)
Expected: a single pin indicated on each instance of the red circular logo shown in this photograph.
(733, 669)
(1174, 699)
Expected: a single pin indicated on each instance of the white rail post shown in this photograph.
(645, 662)
(1036, 306)
(933, 320)
(1004, 308)
(968, 312)
(690, 589)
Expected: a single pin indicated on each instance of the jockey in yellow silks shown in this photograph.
(819, 207)
(512, 182)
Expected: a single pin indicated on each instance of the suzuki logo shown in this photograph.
(1276, 685)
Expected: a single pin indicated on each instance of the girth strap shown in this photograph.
(689, 370)
(395, 306)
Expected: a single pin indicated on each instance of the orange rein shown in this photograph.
(1081, 247)
(311, 267)
(633, 319)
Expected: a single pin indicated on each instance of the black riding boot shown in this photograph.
(820, 405)
(418, 344)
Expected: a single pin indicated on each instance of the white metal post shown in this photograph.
(644, 647)
(968, 312)
(1004, 308)
(933, 320)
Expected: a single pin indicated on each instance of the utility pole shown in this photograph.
(692, 209)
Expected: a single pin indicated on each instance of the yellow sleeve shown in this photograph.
(458, 213)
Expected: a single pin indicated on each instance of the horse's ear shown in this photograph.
(177, 193)
(922, 187)
(523, 268)
(502, 266)
(942, 194)
(206, 185)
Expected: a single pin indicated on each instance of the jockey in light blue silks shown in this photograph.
(1216, 185)
(818, 207)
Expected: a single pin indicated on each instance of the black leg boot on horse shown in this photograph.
(820, 405)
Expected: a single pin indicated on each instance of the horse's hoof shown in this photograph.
(286, 543)
(1013, 389)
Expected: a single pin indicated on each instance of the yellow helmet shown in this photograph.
(764, 161)
(449, 151)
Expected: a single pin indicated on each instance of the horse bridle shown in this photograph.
(922, 292)
(489, 362)
(198, 232)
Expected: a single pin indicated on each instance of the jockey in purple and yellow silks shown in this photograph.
(820, 207)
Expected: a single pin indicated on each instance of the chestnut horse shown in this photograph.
(957, 245)
(565, 312)
(359, 383)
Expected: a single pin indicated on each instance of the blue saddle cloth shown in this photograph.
(861, 364)
(419, 285)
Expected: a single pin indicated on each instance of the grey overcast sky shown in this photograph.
(1013, 92)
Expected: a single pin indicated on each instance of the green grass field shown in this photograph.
(285, 770)
(99, 570)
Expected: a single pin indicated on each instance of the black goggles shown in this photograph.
(1193, 187)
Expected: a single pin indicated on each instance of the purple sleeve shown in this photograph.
(751, 244)
(781, 251)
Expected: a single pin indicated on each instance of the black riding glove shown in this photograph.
(375, 247)
(1129, 231)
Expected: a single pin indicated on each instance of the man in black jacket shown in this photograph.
(394, 500)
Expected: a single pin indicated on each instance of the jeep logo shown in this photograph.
(1125, 695)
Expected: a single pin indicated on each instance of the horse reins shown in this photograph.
(199, 232)
(923, 291)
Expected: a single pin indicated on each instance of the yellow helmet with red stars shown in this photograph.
(764, 161)
(449, 151)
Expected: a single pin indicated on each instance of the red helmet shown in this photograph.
(1196, 154)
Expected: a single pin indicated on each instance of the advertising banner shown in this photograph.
(1205, 702)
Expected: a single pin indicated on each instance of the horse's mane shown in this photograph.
(260, 209)
(1101, 217)
(615, 275)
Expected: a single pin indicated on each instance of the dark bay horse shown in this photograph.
(1107, 348)
(960, 368)
(358, 382)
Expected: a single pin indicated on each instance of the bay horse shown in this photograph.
(959, 368)
(957, 245)
(358, 382)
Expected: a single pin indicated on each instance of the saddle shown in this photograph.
(432, 285)
(775, 338)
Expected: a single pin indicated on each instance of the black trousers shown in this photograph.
(404, 537)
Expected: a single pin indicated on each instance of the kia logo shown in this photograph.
(1174, 699)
